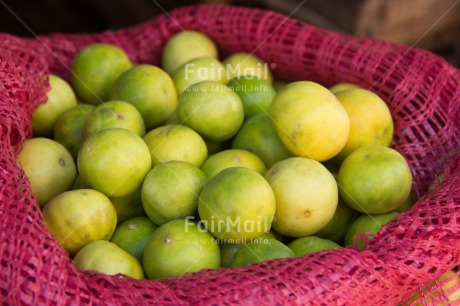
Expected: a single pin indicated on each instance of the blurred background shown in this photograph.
(430, 24)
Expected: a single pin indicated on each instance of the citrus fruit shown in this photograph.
(336, 228)
(260, 251)
(370, 121)
(78, 217)
(237, 204)
(49, 166)
(113, 114)
(310, 121)
(374, 180)
(68, 129)
(185, 46)
(114, 161)
(232, 158)
(133, 234)
(367, 224)
(107, 258)
(258, 135)
(60, 98)
(129, 206)
(227, 250)
(243, 63)
(306, 196)
(310, 244)
(176, 142)
(170, 191)
(437, 181)
(449, 281)
(199, 70)
(212, 109)
(179, 247)
(94, 70)
(151, 90)
(342, 86)
(255, 94)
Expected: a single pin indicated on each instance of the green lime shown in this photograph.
(255, 94)
(133, 234)
(310, 244)
(259, 251)
(94, 70)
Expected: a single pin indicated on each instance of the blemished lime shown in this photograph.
(133, 234)
(49, 166)
(306, 196)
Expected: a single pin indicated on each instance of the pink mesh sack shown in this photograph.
(421, 89)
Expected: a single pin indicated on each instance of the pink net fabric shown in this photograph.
(421, 89)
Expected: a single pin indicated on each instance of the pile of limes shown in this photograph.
(200, 163)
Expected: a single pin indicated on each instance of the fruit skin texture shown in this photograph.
(170, 191)
(114, 161)
(259, 251)
(212, 109)
(367, 224)
(179, 247)
(151, 90)
(374, 180)
(310, 121)
(61, 97)
(237, 204)
(176, 142)
(106, 257)
(94, 70)
(306, 196)
(78, 217)
(185, 46)
(49, 166)
(371, 123)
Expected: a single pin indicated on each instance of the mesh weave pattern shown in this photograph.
(421, 89)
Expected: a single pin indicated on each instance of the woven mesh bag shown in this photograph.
(421, 89)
